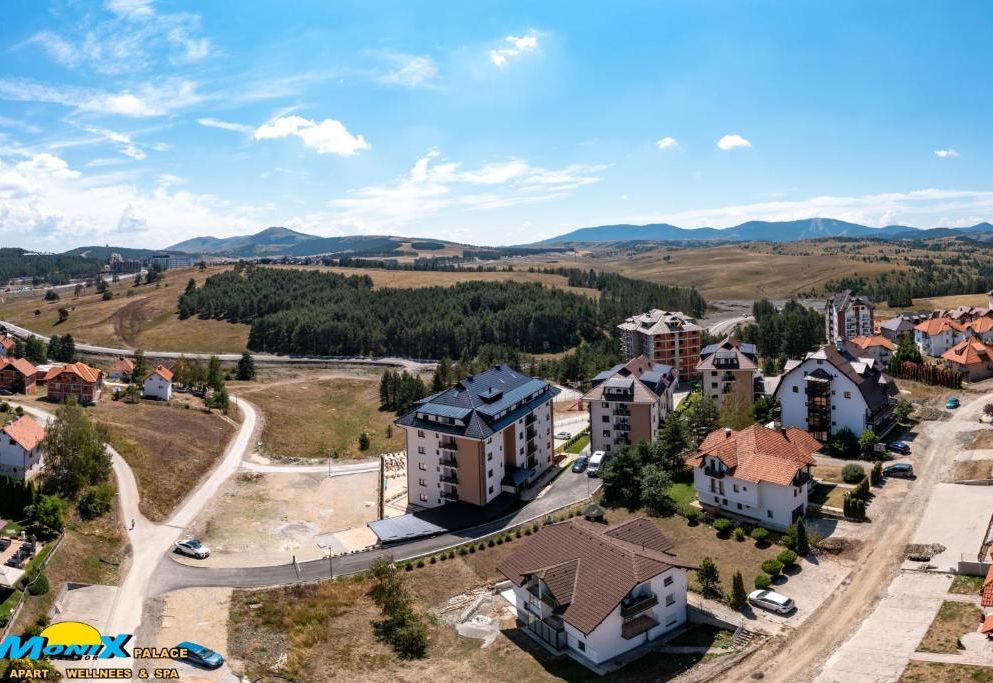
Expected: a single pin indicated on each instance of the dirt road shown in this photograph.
(800, 655)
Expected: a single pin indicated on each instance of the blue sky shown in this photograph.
(142, 123)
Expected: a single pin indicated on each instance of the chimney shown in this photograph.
(727, 432)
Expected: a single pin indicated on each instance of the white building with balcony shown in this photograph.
(489, 434)
(595, 592)
(757, 473)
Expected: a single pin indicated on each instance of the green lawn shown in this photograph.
(683, 493)
(580, 443)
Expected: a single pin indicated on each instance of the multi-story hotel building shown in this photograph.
(665, 337)
(847, 315)
(728, 370)
(490, 433)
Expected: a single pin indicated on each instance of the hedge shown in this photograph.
(772, 567)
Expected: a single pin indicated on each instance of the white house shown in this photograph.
(874, 346)
(121, 369)
(158, 384)
(759, 473)
(831, 390)
(20, 448)
(595, 592)
(936, 335)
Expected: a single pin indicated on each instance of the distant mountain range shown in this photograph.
(278, 241)
(762, 231)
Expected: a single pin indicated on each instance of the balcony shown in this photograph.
(531, 462)
(530, 419)
(634, 606)
(714, 472)
(801, 478)
(448, 444)
(530, 433)
(637, 626)
(448, 461)
(450, 496)
(622, 411)
(622, 441)
(449, 479)
(622, 426)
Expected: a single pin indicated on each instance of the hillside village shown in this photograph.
(709, 468)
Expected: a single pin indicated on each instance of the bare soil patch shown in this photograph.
(954, 619)
(965, 470)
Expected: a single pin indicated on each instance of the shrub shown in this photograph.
(491, 543)
(472, 549)
(762, 582)
(96, 501)
(722, 526)
(517, 533)
(787, 558)
(527, 532)
(39, 586)
(499, 540)
(363, 441)
(739, 534)
(852, 473)
(481, 547)
(409, 566)
(737, 598)
(708, 575)
(692, 516)
(420, 564)
(876, 474)
(463, 551)
(772, 567)
(760, 535)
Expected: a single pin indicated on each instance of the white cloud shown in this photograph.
(514, 46)
(732, 141)
(434, 185)
(409, 70)
(225, 125)
(154, 98)
(327, 137)
(667, 143)
(131, 8)
(946, 153)
(6, 122)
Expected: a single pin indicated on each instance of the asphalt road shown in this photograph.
(569, 488)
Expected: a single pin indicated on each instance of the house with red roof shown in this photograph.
(758, 473)
(17, 375)
(121, 370)
(7, 344)
(936, 335)
(596, 592)
(972, 358)
(78, 380)
(874, 346)
(20, 448)
(157, 384)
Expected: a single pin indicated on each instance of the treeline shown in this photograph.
(924, 280)
(399, 390)
(55, 269)
(780, 334)
(319, 313)
(621, 297)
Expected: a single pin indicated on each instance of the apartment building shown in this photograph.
(489, 434)
(629, 402)
(847, 315)
(665, 337)
(728, 370)
(596, 592)
(759, 473)
(832, 389)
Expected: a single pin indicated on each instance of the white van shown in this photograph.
(596, 461)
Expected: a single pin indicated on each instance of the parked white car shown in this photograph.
(772, 601)
(193, 548)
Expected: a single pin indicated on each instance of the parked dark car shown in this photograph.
(898, 447)
(900, 470)
(201, 656)
(580, 463)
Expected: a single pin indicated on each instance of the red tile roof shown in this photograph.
(123, 364)
(81, 370)
(866, 341)
(7, 343)
(589, 568)
(969, 352)
(980, 325)
(937, 326)
(758, 453)
(987, 626)
(22, 365)
(986, 599)
(25, 431)
(162, 371)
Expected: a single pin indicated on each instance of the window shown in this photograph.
(489, 456)
(420, 449)
(848, 394)
(581, 645)
(420, 433)
(796, 390)
(605, 418)
(421, 466)
(668, 581)
(769, 513)
(606, 433)
(604, 404)
(424, 498)
(735, 488)
(739, 506)
(670, 599)
(422, 482)
(491, 489)
(489, 474)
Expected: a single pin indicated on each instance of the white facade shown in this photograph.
(771, 505)
(157, 387)
(936, 344)
(606, 640)
(848, 408)
(16, 462)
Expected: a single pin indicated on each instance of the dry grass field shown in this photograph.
(169, 448)
(935, 303)
(954, 619)
(137, 317)
(307, 416)
(938, 672)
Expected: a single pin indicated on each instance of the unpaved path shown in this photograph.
(800, 655)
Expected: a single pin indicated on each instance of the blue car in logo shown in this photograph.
(201, 656)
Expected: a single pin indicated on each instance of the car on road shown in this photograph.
(898, 447)
(772, 601)
(200, 655)
(193, 548)
(900, 470)
(563, 435)
(952, 403)
(580, 463)
(597, 460)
